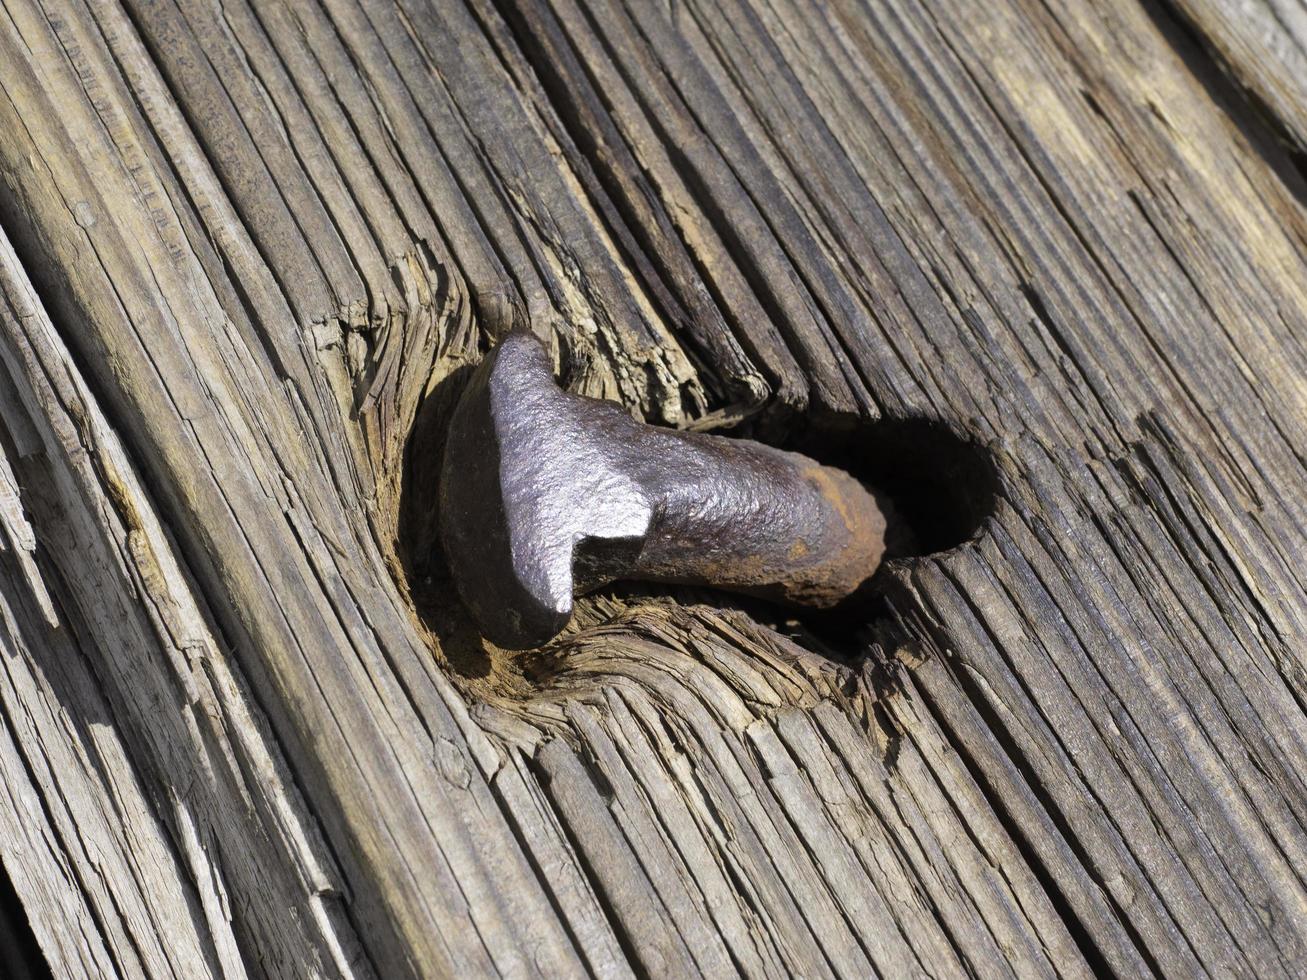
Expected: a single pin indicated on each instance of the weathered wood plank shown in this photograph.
(150, 761)
(265, 238)
(222, 404)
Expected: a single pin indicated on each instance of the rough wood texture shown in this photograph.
(1262, 46)
(249, 250)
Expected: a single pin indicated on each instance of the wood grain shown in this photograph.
(249, 251)
(1261, 45)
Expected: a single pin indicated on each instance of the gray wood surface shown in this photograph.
(1261, 45)
(248, 251)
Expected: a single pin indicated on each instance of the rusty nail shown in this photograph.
(546, 495)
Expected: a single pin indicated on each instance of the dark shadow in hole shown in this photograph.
(941, 487)
(940, 484)
(430, 585)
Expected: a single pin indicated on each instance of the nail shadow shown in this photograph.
(942, 487)
(431, 587)
(942, 484)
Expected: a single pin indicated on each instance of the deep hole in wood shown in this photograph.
(941, 486)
